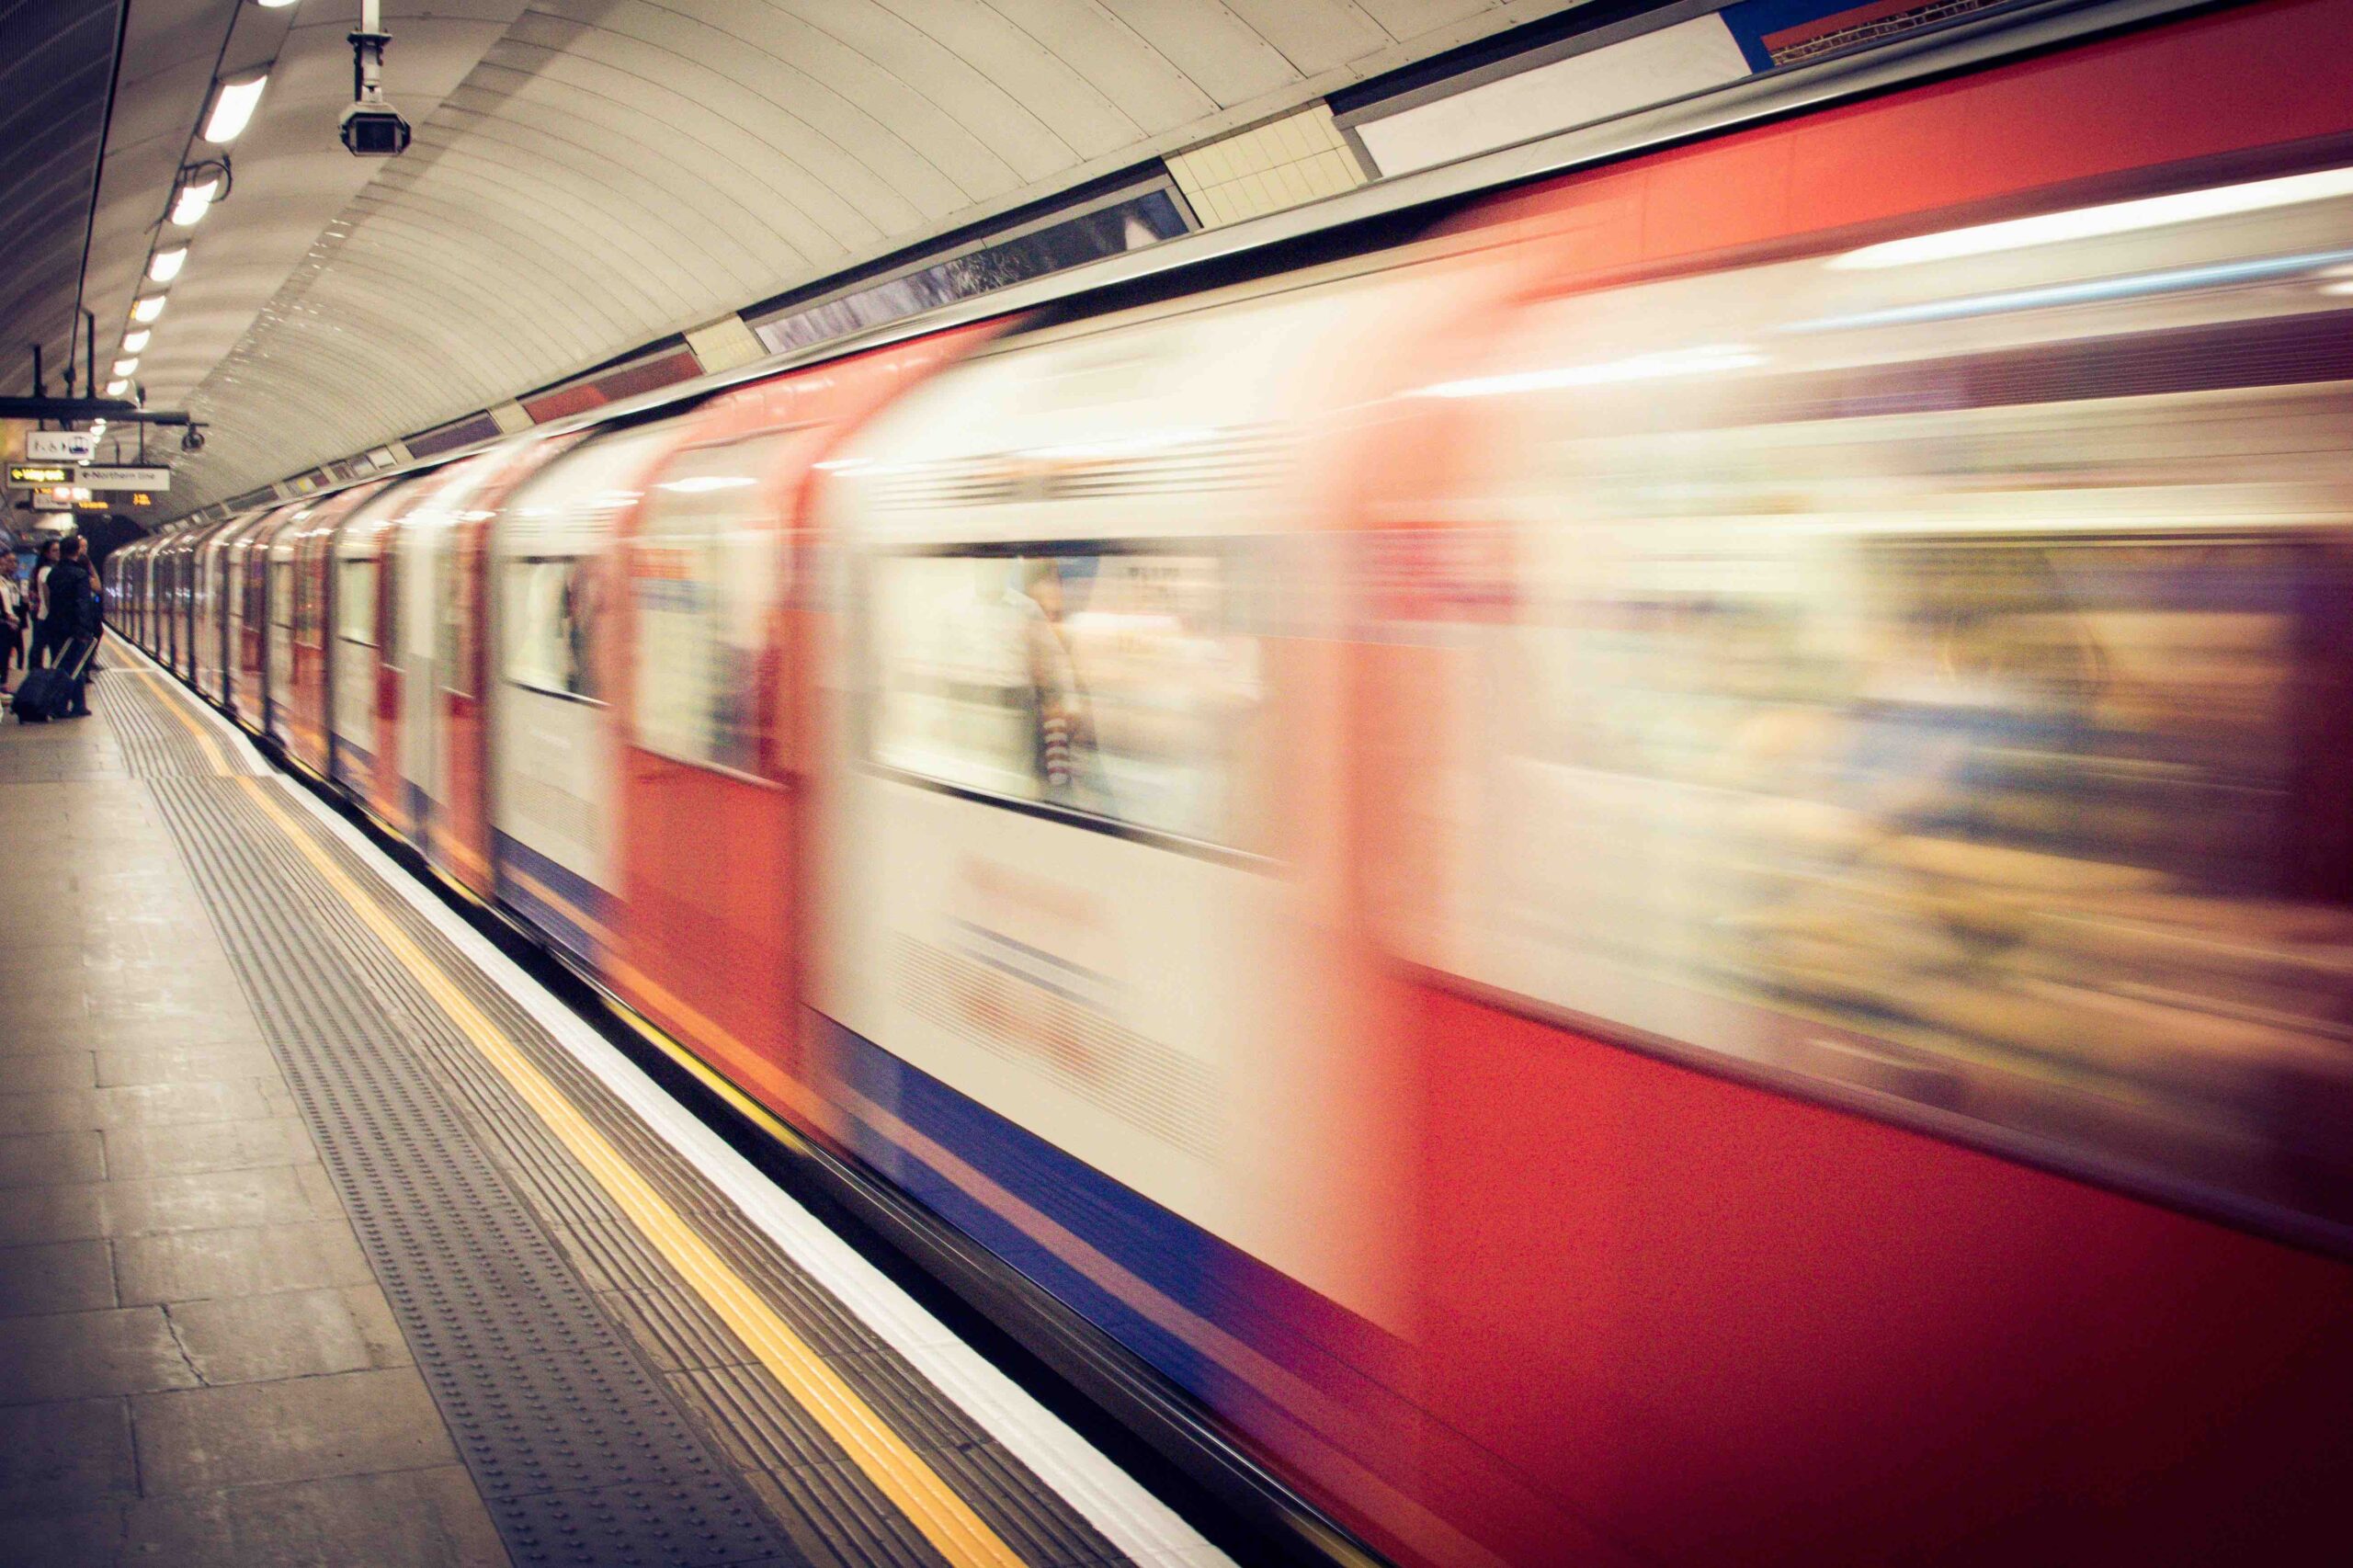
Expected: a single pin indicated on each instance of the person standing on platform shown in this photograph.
(43, 630)
(74, 610)
(13, 617)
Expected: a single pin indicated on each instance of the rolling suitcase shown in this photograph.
(46, 694)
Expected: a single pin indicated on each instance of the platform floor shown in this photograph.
(324, 1239)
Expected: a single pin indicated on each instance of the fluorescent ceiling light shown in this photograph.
(233, 108)
(116, 388)
(166, 264)
(132, 342)
(1639, 368)
(194, 202)
(273, 4)
(2096, 223)
(124, 367)
(148, 308)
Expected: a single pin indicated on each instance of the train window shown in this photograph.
(1109, 683)
(1932, 693)
(550, 543)
(355, 601)
(281, 593)
(550, 609)
(707, 573)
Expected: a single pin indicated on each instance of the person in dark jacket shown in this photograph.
(73, 609)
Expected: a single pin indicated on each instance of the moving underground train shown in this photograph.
(1658, 866)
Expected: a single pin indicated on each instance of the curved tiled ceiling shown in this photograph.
(590, 174)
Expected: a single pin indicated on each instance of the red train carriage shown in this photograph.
(1661, 876)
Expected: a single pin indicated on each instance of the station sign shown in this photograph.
(60, 446)
(114, 477)
(40, 473)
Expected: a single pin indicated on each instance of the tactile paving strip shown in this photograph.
(579, 1448)
(830, 1508)
(154, 745)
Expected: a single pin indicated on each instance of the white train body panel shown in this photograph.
(357, 565)
(1093, 897)
(553, 749)
(421, 562)
(279, 640)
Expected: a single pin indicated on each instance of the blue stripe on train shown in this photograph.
(562, 924)
(1208, 1278)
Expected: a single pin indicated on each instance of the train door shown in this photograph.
(206, 604)
(248, 692)
(282, 600)
(458, 840)
(357, 644)
(552, 751)
(714, 704)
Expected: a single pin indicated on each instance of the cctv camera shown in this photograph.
(374, 131)
(192, 440)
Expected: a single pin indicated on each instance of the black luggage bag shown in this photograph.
(46, 694)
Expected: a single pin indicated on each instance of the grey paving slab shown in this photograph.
(290, 1334)
(56, 1276)
(293, 1429)
(48, 1070)
(415, 1519)
(52, 1214)
(38, 1000)
(86, 1355)
(61, 1458)
(143, 1105)
(202, 1200)
(192, 1266)
(180, 1064)
(39, 986)
(135, 1151)
(41, 1159)
(117, 1030)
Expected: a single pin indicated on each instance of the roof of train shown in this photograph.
(1431, 194)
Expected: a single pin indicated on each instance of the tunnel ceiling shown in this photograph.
(589, 175)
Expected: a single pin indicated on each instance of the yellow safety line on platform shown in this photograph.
(929, 1502)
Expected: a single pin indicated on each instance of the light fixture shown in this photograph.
(233, 107)
(132, 342)
(148, 308)
(166, 264)
(2098, 223)
(116, 388)
(273, 4)
(124, 367)
(195, 199)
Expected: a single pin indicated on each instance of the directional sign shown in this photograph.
(60, 446)
(40, 473)
(118, 478)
